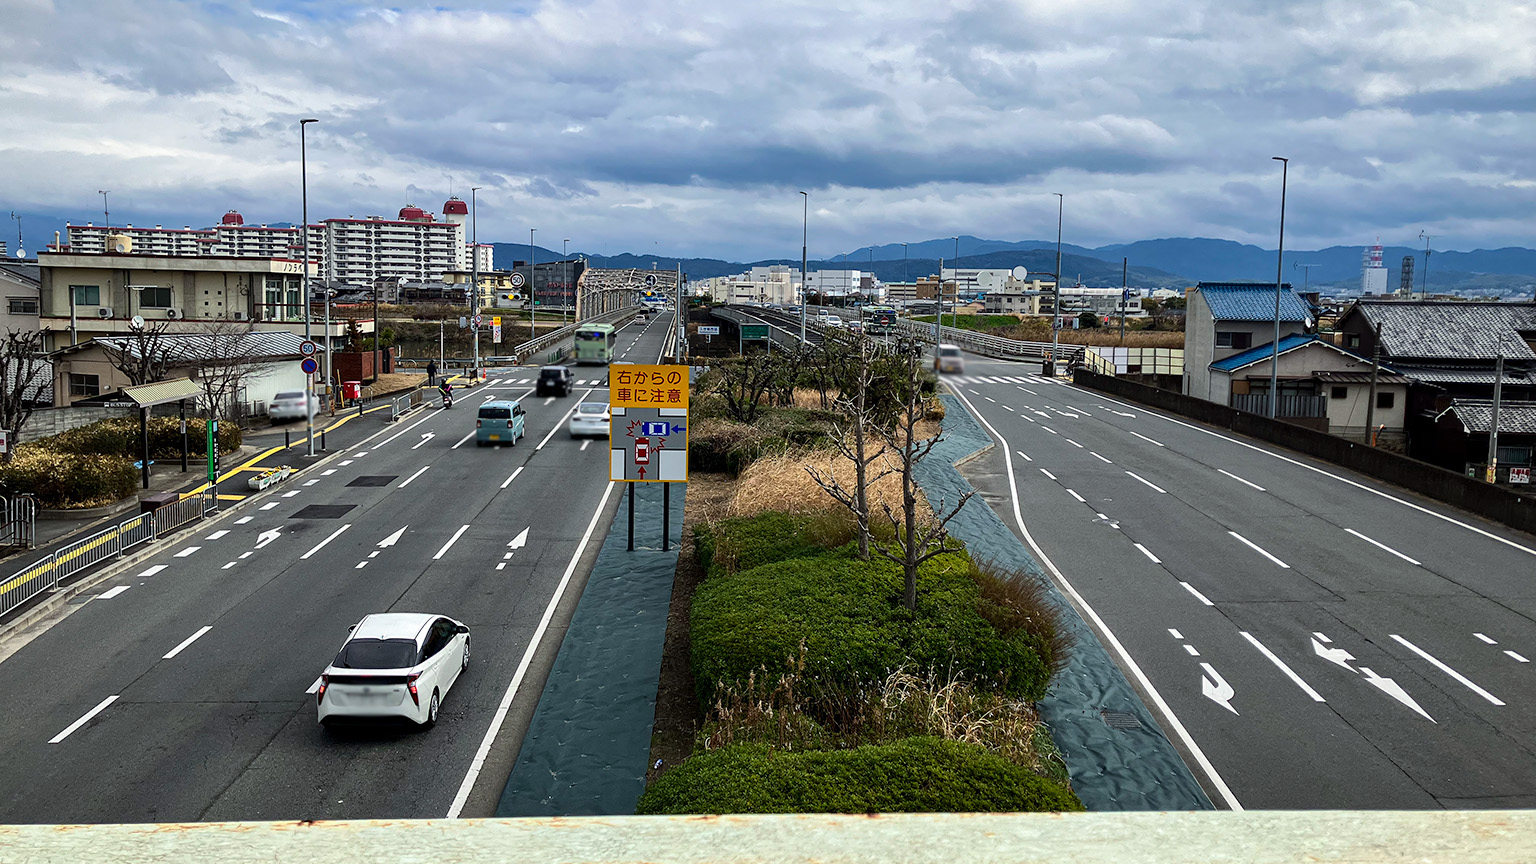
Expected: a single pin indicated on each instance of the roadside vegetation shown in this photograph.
(1157, 331)
(845, 653)
(93, 465)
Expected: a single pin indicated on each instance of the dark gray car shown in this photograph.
(555, 380)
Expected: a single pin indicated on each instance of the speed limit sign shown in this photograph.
(308, 348)
(517, 280)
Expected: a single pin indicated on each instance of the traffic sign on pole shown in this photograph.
(309, 365)
(308, 348)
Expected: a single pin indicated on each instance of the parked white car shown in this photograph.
(394, 665)
(289, 405)
(590, 418)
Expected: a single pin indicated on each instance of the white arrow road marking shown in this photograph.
(1332, 655)
(425, 438)
(520, 540)
(1447, 670)
(392, 539)
(1289, 673)
(1216, 689)
(268, 536)
(1395, 690)
(84, 719)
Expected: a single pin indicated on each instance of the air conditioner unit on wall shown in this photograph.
(173, 314)
(104, 312)
(240, 316)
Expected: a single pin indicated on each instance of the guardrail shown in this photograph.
(995, 346)
(535, 345)
(402, 404)
(19, 525)
(66, 561)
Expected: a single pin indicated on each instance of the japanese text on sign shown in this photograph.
(637, 386)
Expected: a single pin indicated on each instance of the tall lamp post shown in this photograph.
(1274, 357)
(21, 245)
(565, 270)
(1426, 238)
(309, 397)
(954, 311)
(474, 276)
(533, 297)
(108, 213)
(805, 228)
(903, 263)
(1056, 289)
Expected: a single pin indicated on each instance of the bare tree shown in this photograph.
(227, 354)
(146, 355)
(23, 372)
(743, 383)
(914, 543)
(857, 441)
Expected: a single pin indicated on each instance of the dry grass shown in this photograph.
(806, 397)
(782, 483)
(1020, 600)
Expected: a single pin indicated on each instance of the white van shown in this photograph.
(949, 359)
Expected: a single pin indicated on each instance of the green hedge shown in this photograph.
(848, 617)
(917, 775)
(68, 480)
(119, 436)
(733, 545)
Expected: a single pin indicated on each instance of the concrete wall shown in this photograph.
(1199, 341)
(51, 421)
(1493, 502)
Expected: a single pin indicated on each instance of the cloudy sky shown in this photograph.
(689, 127)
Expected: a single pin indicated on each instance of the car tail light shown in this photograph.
(410, 684)
(477, 424)
(325, 681)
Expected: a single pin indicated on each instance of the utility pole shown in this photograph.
(805, 227)
(533, 296)
(1424, 294)
(1370, 405)
(1125, 293)
(1493, 423)
(1274, 357)
(1056, 291)
(309, 396)
(680, 320)
(108, 213)
(474, 277)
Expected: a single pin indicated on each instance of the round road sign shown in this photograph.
(517, 280)
(309, 365)
(308, 348)
(650, 279)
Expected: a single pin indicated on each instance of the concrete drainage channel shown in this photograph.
(1116, 753)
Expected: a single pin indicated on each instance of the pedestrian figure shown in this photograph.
(431, 373)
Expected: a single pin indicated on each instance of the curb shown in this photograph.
(63, 595)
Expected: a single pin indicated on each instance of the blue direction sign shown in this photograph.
(309, 365)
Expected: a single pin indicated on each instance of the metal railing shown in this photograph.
(19, 527)
(554, 337)
(1290, 404)
(401, 405)
(59, 565)
(995, 346)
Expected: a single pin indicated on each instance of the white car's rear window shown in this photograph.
(592, 408)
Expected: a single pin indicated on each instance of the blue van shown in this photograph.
(500, 421)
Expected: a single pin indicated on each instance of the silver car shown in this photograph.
(289, 405)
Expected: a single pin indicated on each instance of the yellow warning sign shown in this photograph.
(635, 386)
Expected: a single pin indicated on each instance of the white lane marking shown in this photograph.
(1024, 456)
(1027, 390)
(585, 443)
(1289, 672)
(1198, 596)
(407, 481)
(1101, 458)
(1313, 468)
(461, 440)
(1079, 498)
(1007, 407)
(321, 544)
(188, 552)
(1259, 549)
(244, 519)
(229, 565)
(424, 439)
(359, 455)
(327, 472)
(373, 554)
(1486, 639)
(1148, 552)
(1049, 429)
(245, 555)
(974, 393)
(311, 482)
(1516, 657)
(1073, 443)
(270, 505)
(1193, 652)
(112, 592)
(1113, 411)
(508, 482)
(290, 494)
(1447, 670)
(313, 688)
(564, 418)
(1240, 480)
(501, 566)
(1047, 473)
(1145, 438)
(217, 534)
(990, 399)
(401, 432)
(185, 642)
(346, 462)
(451, 540)
(522, 667)
(1029, 418)
(1175, 634)
(1382, 546)
(150, 571)
(1321, 638)
(360, 565)
(84, 719)
(1148, 482)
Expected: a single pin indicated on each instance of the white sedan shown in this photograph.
(394, 665)
(590, 418)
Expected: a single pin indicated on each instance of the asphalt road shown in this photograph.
(1309, 638)
(211, 649)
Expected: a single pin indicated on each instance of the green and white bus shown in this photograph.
(594, 344)
(878, 320)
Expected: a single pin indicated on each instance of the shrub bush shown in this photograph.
(917, 775)
(119, 436)
(846, 618)
(68, 480)
(732, 545)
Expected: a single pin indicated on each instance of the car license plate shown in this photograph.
(495, 437)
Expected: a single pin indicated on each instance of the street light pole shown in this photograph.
(309, 396)
(954, 303)
(1056, 290)
(474, 276)
(1493, 422)
(565, 270)
(805, 229)
(533, 296)
(105, 212)
(1274, 357)
(903, 263)
(1426, 238)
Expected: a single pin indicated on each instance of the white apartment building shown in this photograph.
(976, 281)
(834, 281)
(416, 245)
